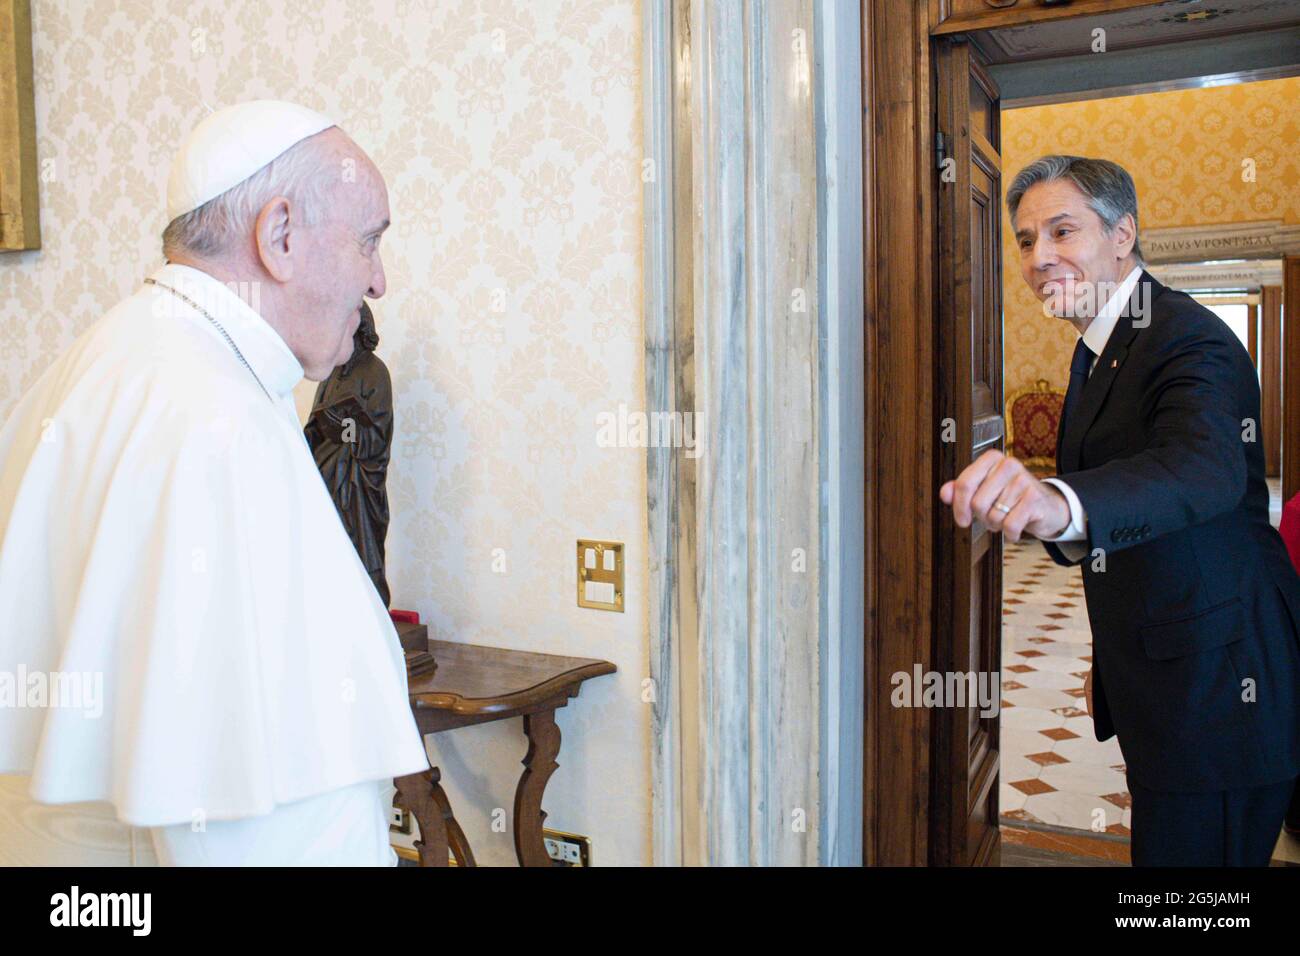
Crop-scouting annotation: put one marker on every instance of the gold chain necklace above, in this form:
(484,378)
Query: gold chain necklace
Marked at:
(220,328)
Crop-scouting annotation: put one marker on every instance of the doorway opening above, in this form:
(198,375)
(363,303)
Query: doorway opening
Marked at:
(939,77)
(1034,778)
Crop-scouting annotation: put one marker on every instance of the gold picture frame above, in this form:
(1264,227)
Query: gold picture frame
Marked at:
(20,221)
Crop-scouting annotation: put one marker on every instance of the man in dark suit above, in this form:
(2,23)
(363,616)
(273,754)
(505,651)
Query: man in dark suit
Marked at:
(1160,494)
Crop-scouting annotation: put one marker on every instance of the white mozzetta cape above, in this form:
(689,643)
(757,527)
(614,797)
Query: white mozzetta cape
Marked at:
(163,525)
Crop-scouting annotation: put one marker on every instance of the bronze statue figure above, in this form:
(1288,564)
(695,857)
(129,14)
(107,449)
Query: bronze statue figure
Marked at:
(350,432)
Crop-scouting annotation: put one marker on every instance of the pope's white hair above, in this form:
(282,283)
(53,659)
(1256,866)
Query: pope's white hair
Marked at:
(303,172)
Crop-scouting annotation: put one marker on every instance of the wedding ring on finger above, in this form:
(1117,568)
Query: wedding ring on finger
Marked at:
(1005,509)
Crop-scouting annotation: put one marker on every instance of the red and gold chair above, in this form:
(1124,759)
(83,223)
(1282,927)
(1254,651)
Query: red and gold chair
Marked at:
(1033,416)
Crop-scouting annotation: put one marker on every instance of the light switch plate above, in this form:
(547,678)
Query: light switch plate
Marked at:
(600,574)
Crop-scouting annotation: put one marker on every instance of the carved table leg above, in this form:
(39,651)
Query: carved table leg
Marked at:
(423,796)
(539,763)
(455,835)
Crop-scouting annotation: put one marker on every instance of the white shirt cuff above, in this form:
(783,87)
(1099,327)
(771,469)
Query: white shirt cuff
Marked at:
(1077,529)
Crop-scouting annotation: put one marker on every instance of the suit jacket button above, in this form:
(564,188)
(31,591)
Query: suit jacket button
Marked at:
(1114,535)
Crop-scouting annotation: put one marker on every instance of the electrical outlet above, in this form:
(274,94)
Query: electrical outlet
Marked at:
(567,849)
(399,820)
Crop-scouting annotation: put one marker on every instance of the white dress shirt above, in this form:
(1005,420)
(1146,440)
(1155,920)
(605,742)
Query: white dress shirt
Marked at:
(1095,336)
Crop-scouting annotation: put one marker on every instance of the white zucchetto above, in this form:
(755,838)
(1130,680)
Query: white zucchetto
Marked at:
(231,145)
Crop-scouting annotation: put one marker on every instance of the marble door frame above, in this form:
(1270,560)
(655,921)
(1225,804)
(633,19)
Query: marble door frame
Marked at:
(753,325)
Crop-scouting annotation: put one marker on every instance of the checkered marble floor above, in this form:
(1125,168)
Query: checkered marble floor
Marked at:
(1054,770)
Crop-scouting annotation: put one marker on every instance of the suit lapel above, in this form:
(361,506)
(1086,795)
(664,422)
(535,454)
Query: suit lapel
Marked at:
(1060,446)
(1135,317)
(1060,433)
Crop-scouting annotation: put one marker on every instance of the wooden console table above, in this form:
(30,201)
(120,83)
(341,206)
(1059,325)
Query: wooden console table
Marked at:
(474,685)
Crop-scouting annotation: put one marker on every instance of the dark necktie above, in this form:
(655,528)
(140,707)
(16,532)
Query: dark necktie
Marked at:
(1079,366)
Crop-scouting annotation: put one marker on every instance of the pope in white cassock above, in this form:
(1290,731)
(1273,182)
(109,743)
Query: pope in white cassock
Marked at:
(165,533)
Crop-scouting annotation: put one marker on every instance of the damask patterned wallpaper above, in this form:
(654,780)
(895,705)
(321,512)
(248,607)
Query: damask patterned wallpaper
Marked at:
(509,135)
(1184,149)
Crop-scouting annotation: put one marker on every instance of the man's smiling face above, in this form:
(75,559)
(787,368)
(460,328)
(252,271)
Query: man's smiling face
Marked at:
(1066,251)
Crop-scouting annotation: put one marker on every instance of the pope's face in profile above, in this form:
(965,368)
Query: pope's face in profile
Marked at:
(1068,257)
(342,266)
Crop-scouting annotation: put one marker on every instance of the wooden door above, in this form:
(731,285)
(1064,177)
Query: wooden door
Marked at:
(968,582)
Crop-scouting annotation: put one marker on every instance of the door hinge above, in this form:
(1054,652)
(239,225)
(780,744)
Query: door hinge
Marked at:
(940,149)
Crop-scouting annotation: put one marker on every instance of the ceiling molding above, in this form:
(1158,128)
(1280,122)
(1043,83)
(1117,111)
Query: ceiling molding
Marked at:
(1137,28)
(1272,54)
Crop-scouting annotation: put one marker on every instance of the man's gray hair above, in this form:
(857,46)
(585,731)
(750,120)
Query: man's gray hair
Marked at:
(1107,185)
(303,173)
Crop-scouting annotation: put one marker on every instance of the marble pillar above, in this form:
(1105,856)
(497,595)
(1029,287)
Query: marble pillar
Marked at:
(735,336)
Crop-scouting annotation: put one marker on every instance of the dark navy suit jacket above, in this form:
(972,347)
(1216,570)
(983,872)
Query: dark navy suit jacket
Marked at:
(1192,600)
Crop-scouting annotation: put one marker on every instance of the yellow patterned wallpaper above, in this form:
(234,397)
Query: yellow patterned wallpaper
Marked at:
(509,134)
(1184,149)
